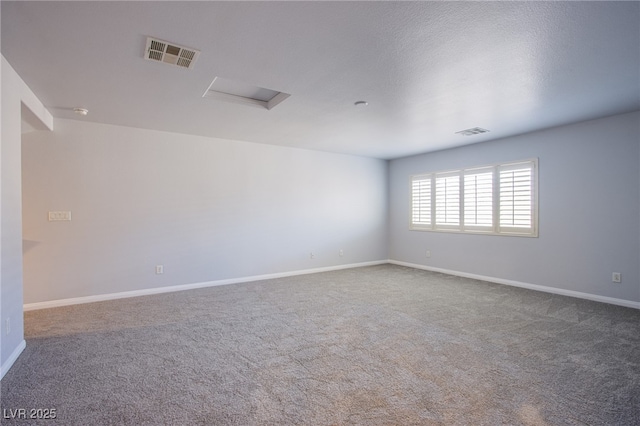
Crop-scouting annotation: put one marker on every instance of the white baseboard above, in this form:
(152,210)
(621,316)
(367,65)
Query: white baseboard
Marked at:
(571,293)
(12,358)
(159,290)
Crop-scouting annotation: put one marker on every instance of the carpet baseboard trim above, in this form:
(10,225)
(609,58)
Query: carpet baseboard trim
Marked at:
(169,289)
(571,293)
(12,358)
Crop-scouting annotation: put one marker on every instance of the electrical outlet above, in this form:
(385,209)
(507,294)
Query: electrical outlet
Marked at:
(159,269)
(428,254)
(312,256)
(616,277)
(341,253)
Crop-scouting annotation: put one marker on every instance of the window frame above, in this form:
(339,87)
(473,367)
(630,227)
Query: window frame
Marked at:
(496,228)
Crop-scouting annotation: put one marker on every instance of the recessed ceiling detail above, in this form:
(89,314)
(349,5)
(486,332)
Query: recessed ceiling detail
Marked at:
(472,131)
(238,92)
(170,53)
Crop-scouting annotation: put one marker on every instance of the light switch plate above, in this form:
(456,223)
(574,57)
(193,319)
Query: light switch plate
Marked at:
(57,216)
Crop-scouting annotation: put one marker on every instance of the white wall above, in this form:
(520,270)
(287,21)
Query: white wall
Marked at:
(11,223)
(17,100)
(206,209)
(214,209)
(1,343)
(589,211)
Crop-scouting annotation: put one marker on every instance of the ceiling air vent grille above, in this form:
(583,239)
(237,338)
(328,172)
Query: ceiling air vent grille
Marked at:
(472,131)
(170,53)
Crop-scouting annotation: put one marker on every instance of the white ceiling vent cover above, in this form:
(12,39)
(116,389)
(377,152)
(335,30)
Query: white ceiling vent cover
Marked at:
(227,90)
(170,53)
(472,131)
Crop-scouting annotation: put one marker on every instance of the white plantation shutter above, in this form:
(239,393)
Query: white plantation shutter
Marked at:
(448,201)
(421,202)
(499,199)
(478,199)
(517,209)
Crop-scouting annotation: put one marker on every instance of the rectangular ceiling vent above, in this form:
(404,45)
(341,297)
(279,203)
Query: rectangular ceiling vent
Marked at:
(472,131)
(170,53)
(227,90)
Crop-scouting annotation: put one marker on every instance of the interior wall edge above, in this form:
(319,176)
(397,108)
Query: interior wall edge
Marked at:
(6,366)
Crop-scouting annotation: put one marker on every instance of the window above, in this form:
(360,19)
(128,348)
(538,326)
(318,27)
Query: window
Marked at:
(499,199)
(421,201)
(447,201)
(478,200)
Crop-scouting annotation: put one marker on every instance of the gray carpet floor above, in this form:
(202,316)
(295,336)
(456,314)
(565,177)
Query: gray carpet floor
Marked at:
(377,345)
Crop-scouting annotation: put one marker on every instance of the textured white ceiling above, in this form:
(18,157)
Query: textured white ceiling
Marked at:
(427,69)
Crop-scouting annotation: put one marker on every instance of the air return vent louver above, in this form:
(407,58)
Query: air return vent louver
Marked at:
(170,53)
(472,131)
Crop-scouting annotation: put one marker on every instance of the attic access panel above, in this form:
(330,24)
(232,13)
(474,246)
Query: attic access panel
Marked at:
(238,92)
